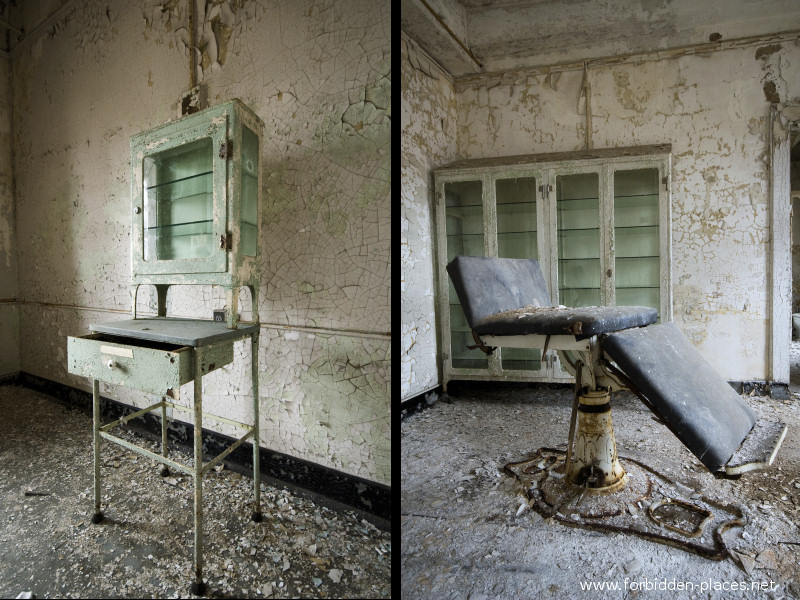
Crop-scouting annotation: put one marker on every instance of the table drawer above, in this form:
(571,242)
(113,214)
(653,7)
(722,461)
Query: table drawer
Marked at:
(152,367)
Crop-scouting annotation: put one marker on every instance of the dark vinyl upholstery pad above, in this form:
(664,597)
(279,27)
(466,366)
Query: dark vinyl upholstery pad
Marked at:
(700,407)
(581,321)
(486,286)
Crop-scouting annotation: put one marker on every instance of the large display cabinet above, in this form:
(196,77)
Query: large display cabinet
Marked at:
(598,222)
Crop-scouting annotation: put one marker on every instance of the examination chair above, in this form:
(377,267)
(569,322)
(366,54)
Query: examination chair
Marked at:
(609,348)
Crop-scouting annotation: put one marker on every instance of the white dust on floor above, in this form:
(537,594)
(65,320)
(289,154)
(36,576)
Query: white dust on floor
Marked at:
(462,537)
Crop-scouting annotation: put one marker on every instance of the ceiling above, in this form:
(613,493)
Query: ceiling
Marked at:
(473,36)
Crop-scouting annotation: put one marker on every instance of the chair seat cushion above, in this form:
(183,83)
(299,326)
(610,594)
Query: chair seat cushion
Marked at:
(581,321)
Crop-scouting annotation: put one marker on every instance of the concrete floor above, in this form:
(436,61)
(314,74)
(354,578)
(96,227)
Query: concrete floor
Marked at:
(466,534)
(144,547)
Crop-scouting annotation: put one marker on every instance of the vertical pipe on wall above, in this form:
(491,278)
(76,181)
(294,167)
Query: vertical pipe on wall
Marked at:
(191,45)
(587,92)
(780,245)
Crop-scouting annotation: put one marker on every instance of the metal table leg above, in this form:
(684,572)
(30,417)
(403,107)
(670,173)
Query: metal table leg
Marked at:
(256,516)
(97,517)
(164,447)
(198,587)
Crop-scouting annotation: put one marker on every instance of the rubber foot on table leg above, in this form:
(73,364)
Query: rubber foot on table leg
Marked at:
(165,472)
(97,518)
(198,589)
(257,517)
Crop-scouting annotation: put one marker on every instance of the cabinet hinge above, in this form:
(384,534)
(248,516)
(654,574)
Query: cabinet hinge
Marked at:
(226,149)
(665,181)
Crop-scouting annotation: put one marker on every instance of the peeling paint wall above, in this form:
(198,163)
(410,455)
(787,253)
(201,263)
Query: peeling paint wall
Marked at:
(9,292)
(428,141)
(318,73)
(713,108)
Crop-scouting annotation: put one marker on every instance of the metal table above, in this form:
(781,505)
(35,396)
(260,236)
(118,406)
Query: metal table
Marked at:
(157,356)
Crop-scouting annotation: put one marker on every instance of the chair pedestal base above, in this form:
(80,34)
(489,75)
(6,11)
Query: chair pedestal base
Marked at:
(595,464)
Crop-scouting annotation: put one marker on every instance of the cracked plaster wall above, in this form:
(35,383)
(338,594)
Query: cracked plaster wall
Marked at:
(428,141)
(318,74)
(9,309)
(713,108)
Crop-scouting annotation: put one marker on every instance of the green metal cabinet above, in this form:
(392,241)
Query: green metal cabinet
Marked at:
(196,195)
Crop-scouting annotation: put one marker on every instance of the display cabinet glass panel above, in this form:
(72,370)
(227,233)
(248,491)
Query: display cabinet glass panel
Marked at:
(465,236)
(178,202)
(517,237)
(249,215)
(637,239)
(578,234)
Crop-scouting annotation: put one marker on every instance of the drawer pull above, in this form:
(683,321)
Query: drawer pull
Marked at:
(111,364)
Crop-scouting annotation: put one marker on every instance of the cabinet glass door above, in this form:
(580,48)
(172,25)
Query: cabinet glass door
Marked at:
(464,229)
(578,234)
(636,233)
(179,192)
(178,202)
(517,238)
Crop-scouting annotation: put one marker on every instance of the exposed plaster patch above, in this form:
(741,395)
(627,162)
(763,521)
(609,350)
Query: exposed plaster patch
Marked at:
(218,25)
(756,126)
(765,52)
(773,84)
(771,92)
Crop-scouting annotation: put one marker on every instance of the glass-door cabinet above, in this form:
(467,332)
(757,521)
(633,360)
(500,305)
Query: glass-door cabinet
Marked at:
(598,222)
(195,189)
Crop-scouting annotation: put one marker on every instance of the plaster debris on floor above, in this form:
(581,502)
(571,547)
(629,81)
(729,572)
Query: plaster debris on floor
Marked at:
(468,532)
(49,547)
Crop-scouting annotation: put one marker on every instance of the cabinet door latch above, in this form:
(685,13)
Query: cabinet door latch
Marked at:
(545,190)
(226,149)
(225,242)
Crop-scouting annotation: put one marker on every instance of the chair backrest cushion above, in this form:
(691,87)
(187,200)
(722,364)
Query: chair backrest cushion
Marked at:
(486,286)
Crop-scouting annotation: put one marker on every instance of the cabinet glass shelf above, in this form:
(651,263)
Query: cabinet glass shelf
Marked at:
(637,251)
(578,236)
(178,202)
(516,238)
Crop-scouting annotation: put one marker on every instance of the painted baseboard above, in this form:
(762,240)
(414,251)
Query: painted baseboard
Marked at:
(326,486)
